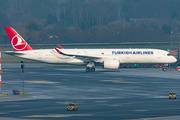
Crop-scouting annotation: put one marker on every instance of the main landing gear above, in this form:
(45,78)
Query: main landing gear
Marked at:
(90,69)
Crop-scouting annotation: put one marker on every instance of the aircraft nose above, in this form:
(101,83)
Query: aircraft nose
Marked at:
(174,59)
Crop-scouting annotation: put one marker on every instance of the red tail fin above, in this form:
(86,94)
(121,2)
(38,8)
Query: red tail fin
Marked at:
(18,43)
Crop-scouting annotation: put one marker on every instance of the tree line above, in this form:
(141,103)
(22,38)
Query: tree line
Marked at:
(86,21)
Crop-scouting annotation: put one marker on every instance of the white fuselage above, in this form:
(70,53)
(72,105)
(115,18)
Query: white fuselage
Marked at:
(123,55)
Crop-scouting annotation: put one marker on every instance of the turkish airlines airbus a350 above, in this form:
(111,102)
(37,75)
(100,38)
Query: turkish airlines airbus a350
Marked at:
(108,58)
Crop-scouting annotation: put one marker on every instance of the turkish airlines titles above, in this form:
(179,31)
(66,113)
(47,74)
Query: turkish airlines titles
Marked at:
(133,52)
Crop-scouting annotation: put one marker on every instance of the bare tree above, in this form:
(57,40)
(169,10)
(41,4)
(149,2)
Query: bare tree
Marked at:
(57,12)
(120,12)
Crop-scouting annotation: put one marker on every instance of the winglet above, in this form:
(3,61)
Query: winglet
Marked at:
(60,47)
(58,51)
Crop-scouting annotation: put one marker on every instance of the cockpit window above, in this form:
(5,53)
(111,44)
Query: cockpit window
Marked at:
(169,54)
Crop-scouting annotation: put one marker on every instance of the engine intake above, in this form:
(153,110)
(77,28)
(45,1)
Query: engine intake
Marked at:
(111,64)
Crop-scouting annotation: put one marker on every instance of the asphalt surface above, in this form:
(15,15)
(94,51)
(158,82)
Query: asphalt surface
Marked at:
(128,93)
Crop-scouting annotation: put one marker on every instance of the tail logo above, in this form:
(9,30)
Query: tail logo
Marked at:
(18,43)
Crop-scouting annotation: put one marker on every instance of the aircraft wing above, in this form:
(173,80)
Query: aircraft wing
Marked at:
(81,57)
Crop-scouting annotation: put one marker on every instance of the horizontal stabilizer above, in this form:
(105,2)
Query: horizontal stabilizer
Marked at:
(13,53)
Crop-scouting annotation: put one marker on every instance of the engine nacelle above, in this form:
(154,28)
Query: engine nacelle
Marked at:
(111,64)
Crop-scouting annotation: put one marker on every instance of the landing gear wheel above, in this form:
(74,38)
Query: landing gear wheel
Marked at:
(88,69)
(92,69)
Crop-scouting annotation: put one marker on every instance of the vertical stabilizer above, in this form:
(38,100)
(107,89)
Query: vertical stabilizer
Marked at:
(18,43)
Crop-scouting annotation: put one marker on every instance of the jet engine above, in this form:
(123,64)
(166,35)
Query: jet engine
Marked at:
(111,64)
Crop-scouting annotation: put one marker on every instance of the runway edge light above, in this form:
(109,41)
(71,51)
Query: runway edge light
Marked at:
(1,94)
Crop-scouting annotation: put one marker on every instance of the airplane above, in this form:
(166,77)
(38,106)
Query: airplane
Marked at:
(108,58)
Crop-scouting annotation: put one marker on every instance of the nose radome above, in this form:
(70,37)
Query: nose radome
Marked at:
(174,59)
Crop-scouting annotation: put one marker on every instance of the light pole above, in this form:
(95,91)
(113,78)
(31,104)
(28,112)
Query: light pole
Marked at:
(179,46)
(22,67)
(171,40)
